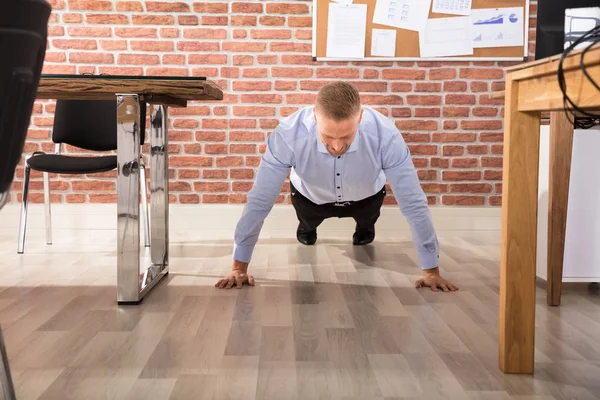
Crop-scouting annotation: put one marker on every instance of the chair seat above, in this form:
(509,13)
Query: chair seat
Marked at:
(60,164)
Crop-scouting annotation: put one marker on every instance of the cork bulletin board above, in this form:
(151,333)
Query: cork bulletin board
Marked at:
(407,42)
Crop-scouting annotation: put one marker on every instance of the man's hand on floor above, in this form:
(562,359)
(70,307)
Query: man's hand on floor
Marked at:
(432,278)
(237,277)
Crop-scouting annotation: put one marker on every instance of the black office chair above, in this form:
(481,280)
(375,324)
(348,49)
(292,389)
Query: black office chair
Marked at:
(23,34)
(89,125)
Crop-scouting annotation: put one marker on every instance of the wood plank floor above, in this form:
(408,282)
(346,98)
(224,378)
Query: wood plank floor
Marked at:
(330,321)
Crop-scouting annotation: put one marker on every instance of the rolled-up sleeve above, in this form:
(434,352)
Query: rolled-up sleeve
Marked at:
(402,177)
(272,171)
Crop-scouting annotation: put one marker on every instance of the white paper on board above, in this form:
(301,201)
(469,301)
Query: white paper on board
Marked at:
(404,14)
(347,30)
(383,42)
(446,37)
(456,7)
(344,2)
(497,27)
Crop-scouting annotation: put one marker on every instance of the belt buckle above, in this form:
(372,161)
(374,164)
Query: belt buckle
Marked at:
(345,203)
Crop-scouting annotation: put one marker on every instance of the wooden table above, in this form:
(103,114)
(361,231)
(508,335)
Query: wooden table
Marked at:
(132,93)
(530,89)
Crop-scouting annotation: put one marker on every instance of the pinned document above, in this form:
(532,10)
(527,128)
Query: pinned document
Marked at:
(347,28)
(446,37)
(404,14)
(457,7)
(383,42)
(498,27)
(344,2)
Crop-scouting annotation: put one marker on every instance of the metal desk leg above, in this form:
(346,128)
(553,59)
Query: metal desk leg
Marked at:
(7,383)
(159,188)
(133,283)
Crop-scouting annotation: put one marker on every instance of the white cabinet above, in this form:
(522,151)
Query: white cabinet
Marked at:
(582,242)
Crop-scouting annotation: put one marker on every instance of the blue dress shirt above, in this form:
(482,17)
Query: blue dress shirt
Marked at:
(377,153)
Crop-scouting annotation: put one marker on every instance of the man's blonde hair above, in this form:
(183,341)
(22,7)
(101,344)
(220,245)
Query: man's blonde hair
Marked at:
(338,100)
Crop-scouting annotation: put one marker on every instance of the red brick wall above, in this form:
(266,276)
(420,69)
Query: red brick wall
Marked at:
(259,52)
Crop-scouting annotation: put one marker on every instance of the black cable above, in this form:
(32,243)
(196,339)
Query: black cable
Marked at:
(570,108)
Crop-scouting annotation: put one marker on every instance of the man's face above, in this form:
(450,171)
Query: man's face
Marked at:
(337,135)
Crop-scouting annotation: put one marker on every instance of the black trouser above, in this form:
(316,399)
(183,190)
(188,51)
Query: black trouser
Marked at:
(365,212)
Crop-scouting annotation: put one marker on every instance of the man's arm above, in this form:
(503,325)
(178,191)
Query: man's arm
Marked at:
(272,171)
(404,181)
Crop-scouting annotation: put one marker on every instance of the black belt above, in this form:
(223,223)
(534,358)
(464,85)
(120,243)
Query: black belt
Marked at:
(343,204)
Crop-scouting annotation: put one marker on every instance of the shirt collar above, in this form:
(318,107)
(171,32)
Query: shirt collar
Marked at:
(311,125)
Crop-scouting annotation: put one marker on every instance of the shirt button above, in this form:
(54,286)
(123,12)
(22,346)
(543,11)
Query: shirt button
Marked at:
(338,187)
(338,174)
(339,156)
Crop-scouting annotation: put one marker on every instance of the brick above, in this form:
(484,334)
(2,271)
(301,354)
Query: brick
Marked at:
(470,188)
(402,87)
(90,5)
(477,149)
(298,98)
(464,163)
(253,111)
(210,8)
(442,74)
(243,20)
(214,173)
(492,175)
(481,73)
(423,149)
(453,137)
(498,86)
(437,162)
(215,198)
(404,74)
(449,200)
(285,85)
(204,59)
(417,125)
(271,21)
(370,99)
(450,125)
(427,112)
(129,6)
(455,86)
(461,175)
(91,58)
(75,44)
(287,8)
(103,198)
(491,137)
(428,87)
(495,200)
(136,32)
(112,45)
(214,123)
(434,187)
(121,71)
(300,22)
(240,34)
(401,112)
(242,149)
(373,74)
(486,112)
(230,161)
(453,150)
(411,137)
(73,18)
(187,20)
(267,59)
(479,87)
(206,33)
(211,186)
(75,198)
(251,86)
(246,136)
(290,47)
(191,148)
(271,34)
(190,161)
(197,46)
(187,199)
(420,162)
(112,19)
(89,31)
(215,20)
(459,99)
(428,100)
(303,34)
(498,149)
(337,73)
(455,112)
(291,72)
(152,45)
(247,8)
(58,69)
(57,4)
(244,47)
(255,73)
(138,59)
(167,7)
(179,187)
(56,31)
(242,123)
(427,175)
(152,20)
(498,188)
(296,59)
(493,162)
(176,59)
(485,100)
(242,186)
(55,57)
(243,60)
(262,98)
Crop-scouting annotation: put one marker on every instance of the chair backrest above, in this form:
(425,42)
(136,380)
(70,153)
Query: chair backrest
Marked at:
(23,35)
(89,124)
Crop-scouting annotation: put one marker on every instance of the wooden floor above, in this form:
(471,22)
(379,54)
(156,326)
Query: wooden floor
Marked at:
(330,321)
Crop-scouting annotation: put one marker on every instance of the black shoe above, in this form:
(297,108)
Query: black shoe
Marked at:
(307,238)
(363,237)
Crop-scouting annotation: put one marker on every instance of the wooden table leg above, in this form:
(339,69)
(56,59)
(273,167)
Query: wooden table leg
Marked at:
(519,231)
(561,147)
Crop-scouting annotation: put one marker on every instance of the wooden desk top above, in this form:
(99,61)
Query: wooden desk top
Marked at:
(174,91)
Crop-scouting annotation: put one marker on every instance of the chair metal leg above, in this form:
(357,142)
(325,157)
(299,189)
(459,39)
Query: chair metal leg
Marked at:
(4,198)
(143,187)
(47,208)
(24,204)
(7,383)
